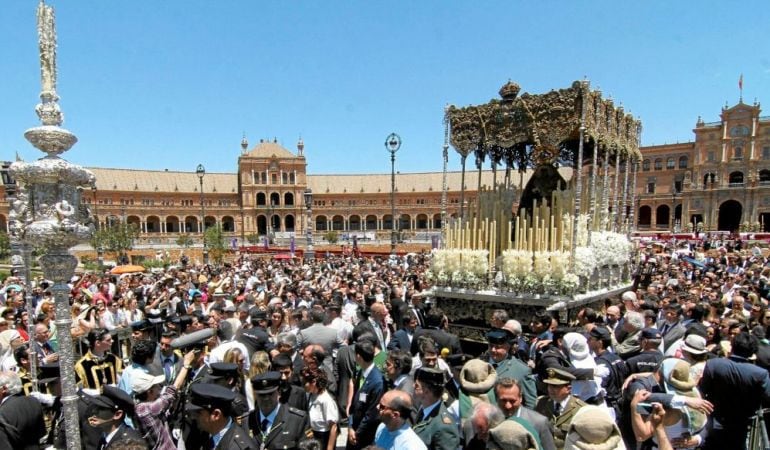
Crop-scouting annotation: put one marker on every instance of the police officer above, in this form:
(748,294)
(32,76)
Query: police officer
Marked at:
(500,342)
(211,407)
(559,406)
(107,412)
(434,424)
(273,424)
(226,375)
(650,357)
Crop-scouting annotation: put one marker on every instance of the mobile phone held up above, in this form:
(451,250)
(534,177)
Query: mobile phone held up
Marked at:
(644,409)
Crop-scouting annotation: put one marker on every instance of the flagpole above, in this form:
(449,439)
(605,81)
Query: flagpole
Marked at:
(740,88)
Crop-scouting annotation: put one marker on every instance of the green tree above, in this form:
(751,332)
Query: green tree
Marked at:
(5,245)
(331,237)
(215,243)
(118,238)
(252,238)
(184,240)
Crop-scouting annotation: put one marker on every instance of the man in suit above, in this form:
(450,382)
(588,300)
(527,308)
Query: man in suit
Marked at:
(402,339)
(170,360)
(345,368)
(22,416)
(737,388)
(254,335)
(559,407)
(319,334)
(672,328)
(368,387)
(274,424)
(108,413)
(210,405)
(509,399)
(434,424)
(375,325)
(434,329)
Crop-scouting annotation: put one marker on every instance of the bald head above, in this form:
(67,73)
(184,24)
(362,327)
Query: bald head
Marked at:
(395,409)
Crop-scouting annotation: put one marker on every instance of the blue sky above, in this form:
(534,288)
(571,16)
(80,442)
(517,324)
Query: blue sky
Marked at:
(170,84)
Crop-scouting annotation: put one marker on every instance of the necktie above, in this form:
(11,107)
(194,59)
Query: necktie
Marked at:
(168,368)
(264,425)
(556,409)
(360,379)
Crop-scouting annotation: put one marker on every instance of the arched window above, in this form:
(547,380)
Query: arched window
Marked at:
(736,178)
(764,176)
(682,162)
(646,165)
(659,164)
(670,164)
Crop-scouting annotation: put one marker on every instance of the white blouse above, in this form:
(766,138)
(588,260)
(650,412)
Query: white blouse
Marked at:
(323,409)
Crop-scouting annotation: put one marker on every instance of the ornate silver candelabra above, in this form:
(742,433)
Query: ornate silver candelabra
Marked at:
(48,212)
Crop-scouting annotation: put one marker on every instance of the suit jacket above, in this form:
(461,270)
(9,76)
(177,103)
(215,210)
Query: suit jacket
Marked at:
(25,417)
(513,368)
(125,434)
(346,371)
(441,337)
(673,334)
(737,389)
(319,334)
(400,341)
(255,339)
(364,416)
(541,424)
(560,425)
(236,438)
(295,397)
(288,428)
(439,430)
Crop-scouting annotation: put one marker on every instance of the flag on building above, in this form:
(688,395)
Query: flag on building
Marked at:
(740,82)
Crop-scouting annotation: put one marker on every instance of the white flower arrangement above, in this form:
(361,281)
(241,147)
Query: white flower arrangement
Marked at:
(459,266)
(516,264)
(610,248)
(585,262)
(542,266)
(569,284)
(559,265)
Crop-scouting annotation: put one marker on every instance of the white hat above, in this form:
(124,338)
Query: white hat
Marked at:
(577,345)
(694,344)
(141,382)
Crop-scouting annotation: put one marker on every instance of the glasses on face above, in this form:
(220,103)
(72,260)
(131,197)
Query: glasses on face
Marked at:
(382,407)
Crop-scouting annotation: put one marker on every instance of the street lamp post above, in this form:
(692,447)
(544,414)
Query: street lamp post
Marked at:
(99,249)
(309,252)
(201,172)
(270,212)
(392,144)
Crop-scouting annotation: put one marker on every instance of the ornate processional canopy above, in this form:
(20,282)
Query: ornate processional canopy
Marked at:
(537,129)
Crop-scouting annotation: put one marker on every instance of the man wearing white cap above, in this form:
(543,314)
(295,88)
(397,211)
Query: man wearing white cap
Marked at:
(154,403)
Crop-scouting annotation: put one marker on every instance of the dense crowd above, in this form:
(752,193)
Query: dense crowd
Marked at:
(290,354)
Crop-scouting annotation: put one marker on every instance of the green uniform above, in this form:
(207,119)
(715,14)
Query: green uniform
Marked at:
(439,431)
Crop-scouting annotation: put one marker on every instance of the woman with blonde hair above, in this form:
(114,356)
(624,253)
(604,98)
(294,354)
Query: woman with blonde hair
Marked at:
(260,363)
(235,356)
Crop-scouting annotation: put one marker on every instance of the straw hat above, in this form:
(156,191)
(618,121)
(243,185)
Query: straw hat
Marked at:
(592,428)
(676,374)
(510,434)
(477,377)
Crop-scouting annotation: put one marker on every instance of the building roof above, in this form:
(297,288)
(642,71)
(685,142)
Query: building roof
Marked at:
(130,180)
(163,181)
(267,149)
(411,182)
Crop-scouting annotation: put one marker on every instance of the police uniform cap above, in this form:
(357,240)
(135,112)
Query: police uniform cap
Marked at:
(430,375)
(600,333)
(499,336)
(209,396)
(114,399)
(154,316)
(48,373)
(558,377)
(258,314)
(651,333)
(222,370)
(141,325)
(266,383)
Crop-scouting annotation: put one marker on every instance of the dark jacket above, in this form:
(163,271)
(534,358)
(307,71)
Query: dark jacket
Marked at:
(364,416)
(236,438)
(125,434)
(737,389)
(21,423)
(439,430)
(288,428)
(400,341)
